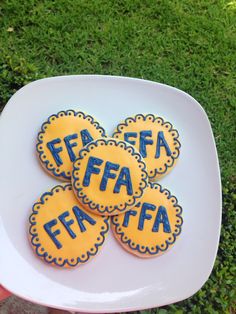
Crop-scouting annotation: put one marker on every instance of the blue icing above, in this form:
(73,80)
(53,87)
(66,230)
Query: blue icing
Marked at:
(70,145)
(81,216)
(124,179)
(144,142)
(161,142)
(55,151)
(107,174)
(145,138)
(162,218)
(83,198)
(63,174)
(67,224)
(127,216)
(93,161)
(127,135)
(86,137)
(52,234)
(143,215)
(58,261)
(154,119)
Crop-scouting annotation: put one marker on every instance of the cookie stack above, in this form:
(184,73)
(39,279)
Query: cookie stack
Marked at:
(110,183)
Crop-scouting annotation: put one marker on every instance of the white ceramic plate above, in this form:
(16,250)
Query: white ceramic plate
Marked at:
(114,281)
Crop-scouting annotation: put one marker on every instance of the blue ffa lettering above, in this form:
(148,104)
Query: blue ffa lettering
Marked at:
(80,216)
(111,171)
(160,214)
(145,138)
(55,146)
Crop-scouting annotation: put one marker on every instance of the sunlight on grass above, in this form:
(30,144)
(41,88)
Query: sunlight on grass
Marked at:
(231,5)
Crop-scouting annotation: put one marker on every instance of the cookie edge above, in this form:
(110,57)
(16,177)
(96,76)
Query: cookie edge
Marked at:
(156,174)
(62,175)
(33,234)
(106,211)
(126,244)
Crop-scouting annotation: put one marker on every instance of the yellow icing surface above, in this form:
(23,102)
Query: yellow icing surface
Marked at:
(147,242)
(60,126)
(157,166)
(107,201)
(88,236)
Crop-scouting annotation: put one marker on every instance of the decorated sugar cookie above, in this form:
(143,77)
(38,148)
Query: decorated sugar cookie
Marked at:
(61,138)
(62,233)
(109,177)
(152,226)
(156,140)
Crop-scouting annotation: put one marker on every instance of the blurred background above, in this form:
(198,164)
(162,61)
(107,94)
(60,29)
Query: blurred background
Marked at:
(189,44)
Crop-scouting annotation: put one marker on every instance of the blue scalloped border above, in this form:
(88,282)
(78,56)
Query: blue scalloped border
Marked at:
(155,118)
(158,248)
(34,234)
(66,112)
(98,206)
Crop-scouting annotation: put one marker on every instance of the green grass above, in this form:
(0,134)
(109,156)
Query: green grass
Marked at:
(189,44)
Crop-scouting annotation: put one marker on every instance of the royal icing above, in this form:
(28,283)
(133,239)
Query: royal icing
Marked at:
(109,177)
(152,226)
(156,140)
(62,232)
(61,138)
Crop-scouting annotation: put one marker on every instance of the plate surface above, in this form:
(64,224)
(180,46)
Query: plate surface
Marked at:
(114,281)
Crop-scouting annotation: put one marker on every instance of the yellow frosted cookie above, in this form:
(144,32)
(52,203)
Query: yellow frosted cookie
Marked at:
(61,138)
(62,232)
(109,177)
(152,226)
(156,140)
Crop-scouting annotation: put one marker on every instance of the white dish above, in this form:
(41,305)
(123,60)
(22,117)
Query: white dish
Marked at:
(114,281)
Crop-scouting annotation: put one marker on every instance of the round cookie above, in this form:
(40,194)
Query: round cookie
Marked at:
(156,140)
(62,232)
(152,226)
(61,138)
(109,177)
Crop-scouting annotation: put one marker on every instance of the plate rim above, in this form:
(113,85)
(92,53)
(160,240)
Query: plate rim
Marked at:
(218,183)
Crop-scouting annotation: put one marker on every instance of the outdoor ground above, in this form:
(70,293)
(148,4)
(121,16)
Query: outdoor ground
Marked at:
(189,44)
